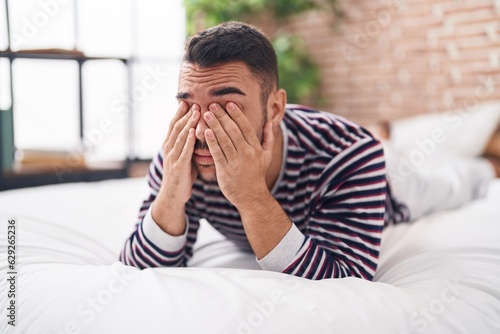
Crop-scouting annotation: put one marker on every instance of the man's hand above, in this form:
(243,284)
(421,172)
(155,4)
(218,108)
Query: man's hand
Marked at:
(178,172)
(241,164)
(241,161)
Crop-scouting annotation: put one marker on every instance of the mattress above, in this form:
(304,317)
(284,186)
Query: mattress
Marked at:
(440,274)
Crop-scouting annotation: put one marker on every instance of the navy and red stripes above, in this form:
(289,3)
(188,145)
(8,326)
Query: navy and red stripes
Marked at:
(332,187)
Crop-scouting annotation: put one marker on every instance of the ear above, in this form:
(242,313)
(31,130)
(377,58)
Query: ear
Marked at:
(276,106)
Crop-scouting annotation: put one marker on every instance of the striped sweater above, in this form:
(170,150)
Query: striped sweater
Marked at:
(332,186)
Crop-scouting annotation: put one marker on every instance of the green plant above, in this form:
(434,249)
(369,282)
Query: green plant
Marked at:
(217,11)
(299,75)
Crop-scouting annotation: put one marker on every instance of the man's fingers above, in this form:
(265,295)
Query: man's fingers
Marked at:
(268,140)
(228,125)
(189,120)
(224,133)
(243,124)
(215,149)
(188,148)
(181,111)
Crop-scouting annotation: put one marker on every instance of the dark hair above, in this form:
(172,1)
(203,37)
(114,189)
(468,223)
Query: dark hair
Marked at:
(232,42)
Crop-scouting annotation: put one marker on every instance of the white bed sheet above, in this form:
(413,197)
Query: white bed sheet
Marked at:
(440,274)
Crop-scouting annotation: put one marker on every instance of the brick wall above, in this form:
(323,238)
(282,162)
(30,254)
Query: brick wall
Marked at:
(389,59)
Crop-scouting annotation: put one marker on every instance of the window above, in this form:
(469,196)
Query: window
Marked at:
(4,42)
(104,110)
(38,24)
(129,66)
(105,27)
(5,98)
(46,104)
(153,97)
(158,66)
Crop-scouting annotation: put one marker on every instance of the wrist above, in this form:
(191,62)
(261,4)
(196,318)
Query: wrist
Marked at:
(255,200)
(169,216)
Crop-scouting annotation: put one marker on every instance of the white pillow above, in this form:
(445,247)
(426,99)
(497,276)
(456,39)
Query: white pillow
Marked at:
(463,132)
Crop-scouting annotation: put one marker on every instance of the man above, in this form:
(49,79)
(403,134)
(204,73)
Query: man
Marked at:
(304,190)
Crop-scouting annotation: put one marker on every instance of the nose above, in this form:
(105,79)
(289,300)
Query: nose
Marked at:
(200,129)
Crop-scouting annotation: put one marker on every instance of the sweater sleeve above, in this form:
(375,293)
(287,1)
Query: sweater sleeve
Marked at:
(344,228)
(148,245)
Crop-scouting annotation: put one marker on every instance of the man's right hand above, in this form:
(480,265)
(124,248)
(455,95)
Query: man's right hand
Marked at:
(178,172)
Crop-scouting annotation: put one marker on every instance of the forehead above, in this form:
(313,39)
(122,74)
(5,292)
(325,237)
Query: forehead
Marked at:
(237,74)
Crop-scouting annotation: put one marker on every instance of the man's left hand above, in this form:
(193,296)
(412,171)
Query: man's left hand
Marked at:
(241,161)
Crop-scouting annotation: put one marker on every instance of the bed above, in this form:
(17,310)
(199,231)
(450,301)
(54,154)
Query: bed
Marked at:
(439,274)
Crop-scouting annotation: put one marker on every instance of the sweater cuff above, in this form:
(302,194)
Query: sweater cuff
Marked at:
(284,252)
(159,238)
